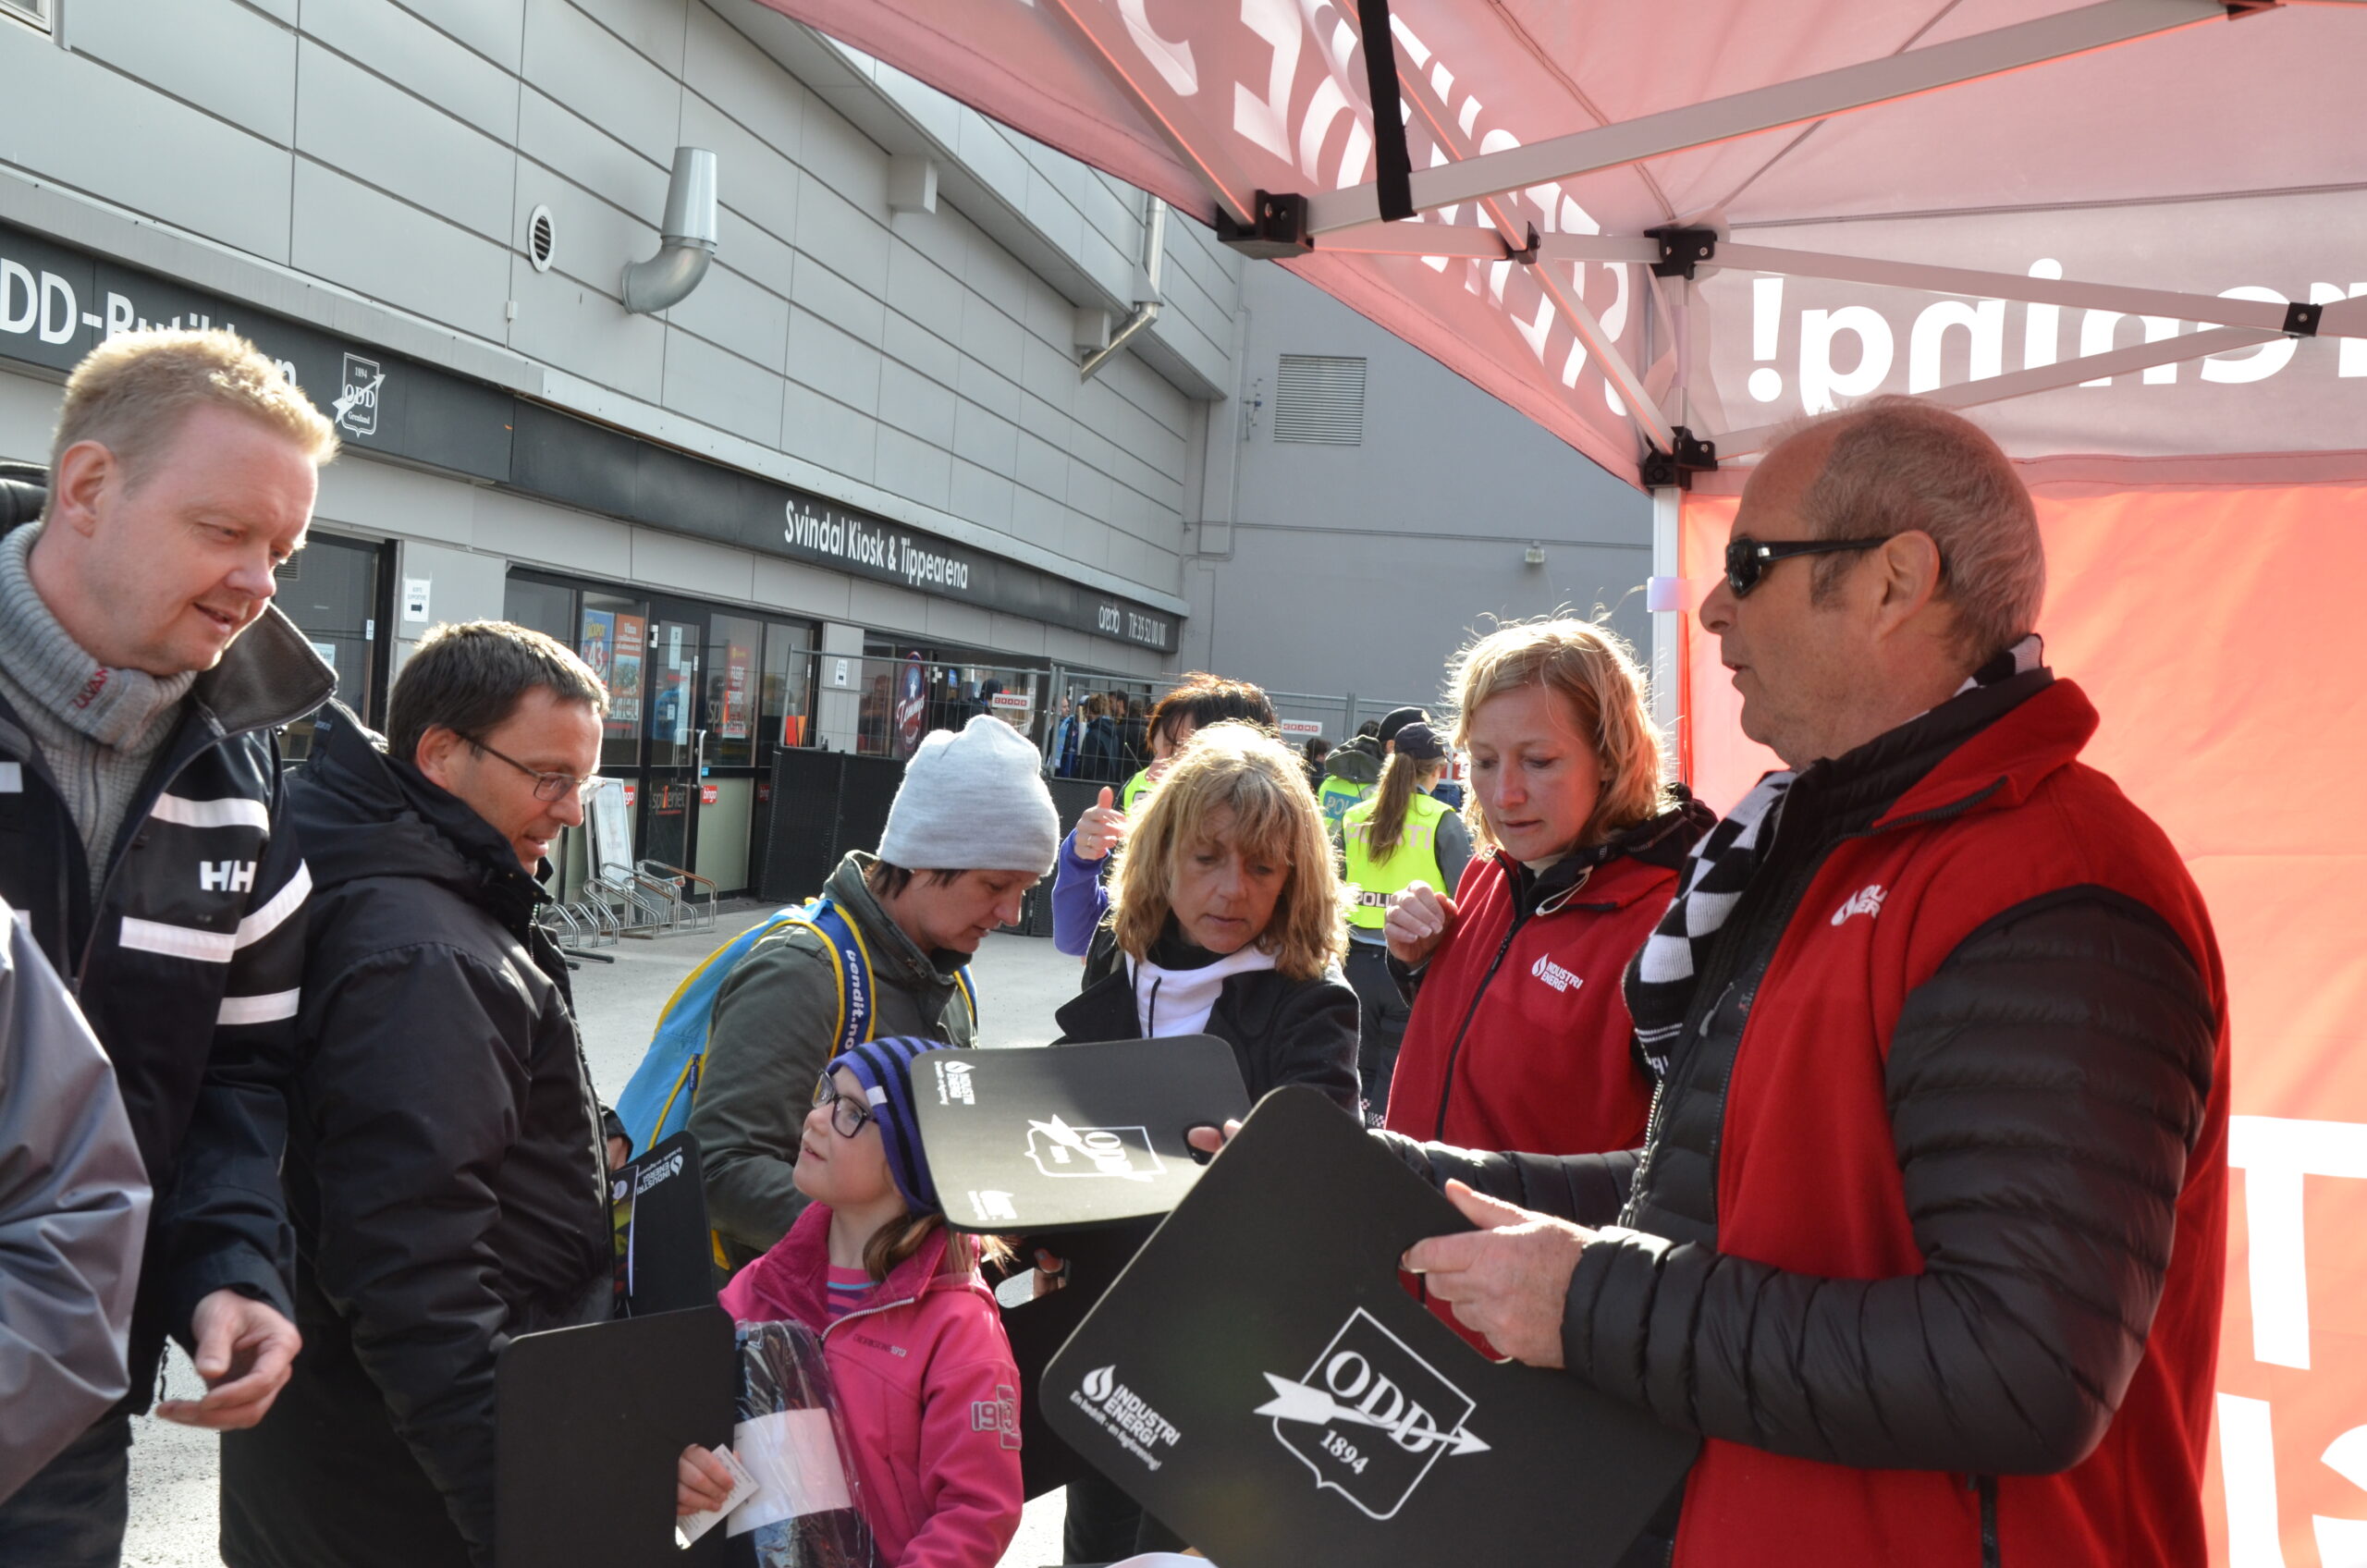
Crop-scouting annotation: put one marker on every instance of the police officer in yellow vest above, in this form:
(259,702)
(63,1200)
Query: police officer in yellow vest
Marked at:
(1350,774)
(1397,837)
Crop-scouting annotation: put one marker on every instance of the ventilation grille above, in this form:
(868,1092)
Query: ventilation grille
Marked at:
(34,11)
(292,569)
(1320,399)
(542,237)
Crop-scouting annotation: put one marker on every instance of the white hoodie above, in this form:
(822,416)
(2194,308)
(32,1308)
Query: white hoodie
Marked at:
(1176,1001)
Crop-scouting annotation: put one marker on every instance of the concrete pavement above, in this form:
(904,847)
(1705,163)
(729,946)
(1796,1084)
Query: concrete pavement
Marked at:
(1021,980)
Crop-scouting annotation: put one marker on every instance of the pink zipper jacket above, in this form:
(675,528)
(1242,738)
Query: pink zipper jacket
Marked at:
(926,1386)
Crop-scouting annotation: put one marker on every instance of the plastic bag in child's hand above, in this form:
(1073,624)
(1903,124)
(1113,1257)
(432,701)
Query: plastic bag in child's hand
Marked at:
(809,1513)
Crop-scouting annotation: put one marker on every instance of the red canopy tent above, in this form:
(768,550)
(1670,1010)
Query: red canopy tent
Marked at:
(2129,231)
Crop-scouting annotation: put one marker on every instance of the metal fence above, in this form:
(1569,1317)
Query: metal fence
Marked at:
(1302,716)
(901,699)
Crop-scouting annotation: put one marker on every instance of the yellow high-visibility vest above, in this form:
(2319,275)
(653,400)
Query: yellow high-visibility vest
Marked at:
(1415,858)
(1336,796)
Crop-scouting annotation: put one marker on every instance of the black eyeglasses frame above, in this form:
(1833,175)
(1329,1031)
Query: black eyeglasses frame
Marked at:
(826,1093)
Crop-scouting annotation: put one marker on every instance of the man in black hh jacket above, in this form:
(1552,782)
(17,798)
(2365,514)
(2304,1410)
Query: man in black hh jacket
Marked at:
(445,1166)
(144,675)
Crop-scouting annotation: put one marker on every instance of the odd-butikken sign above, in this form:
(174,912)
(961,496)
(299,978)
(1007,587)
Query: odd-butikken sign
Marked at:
(56,304)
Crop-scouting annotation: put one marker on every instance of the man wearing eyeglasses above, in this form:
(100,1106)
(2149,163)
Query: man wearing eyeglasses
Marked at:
(1927,1236)
(446,1165)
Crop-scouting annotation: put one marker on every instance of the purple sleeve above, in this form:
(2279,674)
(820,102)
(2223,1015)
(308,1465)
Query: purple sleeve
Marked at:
(1079,899)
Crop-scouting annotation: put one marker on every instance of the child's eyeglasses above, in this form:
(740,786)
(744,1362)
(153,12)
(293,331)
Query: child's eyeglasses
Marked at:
(847,1114)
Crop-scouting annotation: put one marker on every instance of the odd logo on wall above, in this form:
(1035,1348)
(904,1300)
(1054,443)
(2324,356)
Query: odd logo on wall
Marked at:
(356,409)
(1370,1417)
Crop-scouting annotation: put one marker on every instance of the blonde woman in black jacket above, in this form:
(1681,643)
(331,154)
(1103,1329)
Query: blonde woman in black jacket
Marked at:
(1226,919)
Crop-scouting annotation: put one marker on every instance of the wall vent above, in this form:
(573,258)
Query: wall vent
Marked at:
(542,235)
(34,11)
(1320,399)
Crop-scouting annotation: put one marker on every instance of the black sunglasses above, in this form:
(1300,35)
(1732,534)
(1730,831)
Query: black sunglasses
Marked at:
(1747,559)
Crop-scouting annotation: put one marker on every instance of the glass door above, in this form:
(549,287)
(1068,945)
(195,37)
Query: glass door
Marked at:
(784,717)
(674,737)
(332,590)
(732,692)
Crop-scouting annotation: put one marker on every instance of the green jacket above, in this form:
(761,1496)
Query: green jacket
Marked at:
(776,1018)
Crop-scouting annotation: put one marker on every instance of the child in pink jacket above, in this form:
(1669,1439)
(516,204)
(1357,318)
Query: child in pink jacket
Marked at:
(927,1391)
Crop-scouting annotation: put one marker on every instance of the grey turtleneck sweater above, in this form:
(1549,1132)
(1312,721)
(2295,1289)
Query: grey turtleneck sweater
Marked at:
(98,728)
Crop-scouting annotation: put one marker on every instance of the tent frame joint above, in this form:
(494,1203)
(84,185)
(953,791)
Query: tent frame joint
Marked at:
(1682,250)
(1276,230)
(2239,9)
(2302,320)
(1686,456)
(1526,254)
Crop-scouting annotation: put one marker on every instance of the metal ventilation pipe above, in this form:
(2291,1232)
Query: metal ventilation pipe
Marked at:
(1147,290)
(686,241)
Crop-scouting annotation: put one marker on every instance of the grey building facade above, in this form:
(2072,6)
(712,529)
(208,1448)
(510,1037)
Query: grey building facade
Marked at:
(1379,510)
(855,483)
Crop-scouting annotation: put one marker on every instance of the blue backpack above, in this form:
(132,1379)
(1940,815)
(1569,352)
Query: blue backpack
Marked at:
(656,1103)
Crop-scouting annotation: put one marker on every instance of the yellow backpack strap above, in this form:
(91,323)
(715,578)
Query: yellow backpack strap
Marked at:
(969,995)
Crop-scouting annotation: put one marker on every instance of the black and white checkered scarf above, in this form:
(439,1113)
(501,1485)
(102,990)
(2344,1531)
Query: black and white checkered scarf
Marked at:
(1660,983)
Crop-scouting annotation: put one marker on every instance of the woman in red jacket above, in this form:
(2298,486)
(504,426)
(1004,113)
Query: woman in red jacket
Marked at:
(1519,1038)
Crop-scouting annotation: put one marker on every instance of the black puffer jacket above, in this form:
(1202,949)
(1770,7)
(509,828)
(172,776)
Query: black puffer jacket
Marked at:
(2047,1093)
(444,1171)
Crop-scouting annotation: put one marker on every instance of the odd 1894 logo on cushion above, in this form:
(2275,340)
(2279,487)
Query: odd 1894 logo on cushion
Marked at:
(1260,1382)
(1370,1417)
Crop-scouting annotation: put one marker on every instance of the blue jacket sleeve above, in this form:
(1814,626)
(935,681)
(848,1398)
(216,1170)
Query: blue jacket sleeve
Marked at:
(1079,900)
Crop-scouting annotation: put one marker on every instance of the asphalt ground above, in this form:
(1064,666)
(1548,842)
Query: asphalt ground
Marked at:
(1021,980)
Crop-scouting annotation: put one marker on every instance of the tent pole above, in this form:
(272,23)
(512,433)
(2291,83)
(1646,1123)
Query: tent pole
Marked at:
(1643,409)
(2061,36)
(1668,626)
(2345,319)
(2012,285)
(2045,378)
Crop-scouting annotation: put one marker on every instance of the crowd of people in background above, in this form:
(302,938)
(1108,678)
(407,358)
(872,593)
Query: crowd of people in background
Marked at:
(1875,1133)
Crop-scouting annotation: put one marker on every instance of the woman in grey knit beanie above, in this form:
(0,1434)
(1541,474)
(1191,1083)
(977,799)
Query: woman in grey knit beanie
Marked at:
(973,800)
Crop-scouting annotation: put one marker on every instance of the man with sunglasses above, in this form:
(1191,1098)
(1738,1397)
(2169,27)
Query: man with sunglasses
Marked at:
(446,1163)
(1927,1235)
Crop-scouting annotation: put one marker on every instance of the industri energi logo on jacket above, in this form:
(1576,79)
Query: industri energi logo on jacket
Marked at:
(1553,975)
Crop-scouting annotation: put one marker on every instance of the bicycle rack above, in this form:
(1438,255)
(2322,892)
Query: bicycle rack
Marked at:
(691,911)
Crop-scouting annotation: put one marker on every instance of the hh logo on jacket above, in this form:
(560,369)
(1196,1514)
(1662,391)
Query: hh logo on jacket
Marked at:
(1867,901)
(1553,975)
(230,876)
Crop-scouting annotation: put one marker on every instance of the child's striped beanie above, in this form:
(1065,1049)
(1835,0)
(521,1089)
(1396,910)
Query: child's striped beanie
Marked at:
(884,1067)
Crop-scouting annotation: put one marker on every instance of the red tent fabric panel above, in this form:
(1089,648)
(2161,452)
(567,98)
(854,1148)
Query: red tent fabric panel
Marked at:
(2219,629)
(2114,166)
